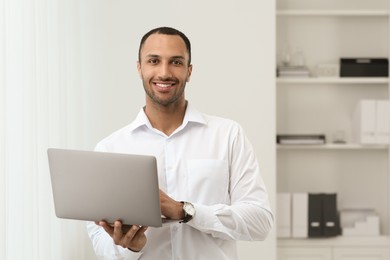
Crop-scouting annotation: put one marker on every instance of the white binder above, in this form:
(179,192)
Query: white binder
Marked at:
(300,212)
(365,119)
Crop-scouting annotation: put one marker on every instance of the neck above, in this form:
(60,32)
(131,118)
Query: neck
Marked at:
(166,118)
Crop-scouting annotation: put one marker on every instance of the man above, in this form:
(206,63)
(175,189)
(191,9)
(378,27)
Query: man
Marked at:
(208,172)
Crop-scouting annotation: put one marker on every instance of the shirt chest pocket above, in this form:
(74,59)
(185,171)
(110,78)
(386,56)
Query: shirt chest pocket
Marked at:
(208,181)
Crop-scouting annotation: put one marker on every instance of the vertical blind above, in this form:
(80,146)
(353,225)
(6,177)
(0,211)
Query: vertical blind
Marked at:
(40,107)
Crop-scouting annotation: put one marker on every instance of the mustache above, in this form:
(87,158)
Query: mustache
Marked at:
(173,79)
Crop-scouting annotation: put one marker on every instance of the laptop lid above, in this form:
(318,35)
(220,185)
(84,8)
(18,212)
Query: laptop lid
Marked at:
(97,186)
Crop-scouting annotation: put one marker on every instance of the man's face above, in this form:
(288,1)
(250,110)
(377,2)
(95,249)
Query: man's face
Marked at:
(164,69)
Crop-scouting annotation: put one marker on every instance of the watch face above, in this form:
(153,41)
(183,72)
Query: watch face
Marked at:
(189,209)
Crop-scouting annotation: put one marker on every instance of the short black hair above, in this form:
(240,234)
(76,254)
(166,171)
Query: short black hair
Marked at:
(166,31)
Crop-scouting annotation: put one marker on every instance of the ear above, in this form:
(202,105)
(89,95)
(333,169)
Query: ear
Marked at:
(139,69)
(189,72)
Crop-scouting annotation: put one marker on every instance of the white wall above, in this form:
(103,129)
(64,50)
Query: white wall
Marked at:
(40,107)
(233,56)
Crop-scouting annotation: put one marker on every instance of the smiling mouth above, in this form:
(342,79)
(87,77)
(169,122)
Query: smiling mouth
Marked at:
(164,85)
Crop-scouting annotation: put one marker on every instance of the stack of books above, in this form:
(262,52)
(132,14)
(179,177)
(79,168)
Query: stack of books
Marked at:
(293,72)
(298,139)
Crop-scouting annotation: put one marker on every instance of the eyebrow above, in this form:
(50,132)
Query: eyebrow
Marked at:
(157,56)
(178,57)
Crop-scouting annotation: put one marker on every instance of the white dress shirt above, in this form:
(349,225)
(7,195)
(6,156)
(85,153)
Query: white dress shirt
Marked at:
(209,162)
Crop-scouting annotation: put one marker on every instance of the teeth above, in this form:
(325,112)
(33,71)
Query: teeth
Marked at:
(163,85)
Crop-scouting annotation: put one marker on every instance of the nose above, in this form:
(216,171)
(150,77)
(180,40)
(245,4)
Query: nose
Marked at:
(164,70)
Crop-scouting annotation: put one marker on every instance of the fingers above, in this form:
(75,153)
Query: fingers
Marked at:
(126,228)
(134,238)
(134,233)
(114,230)
(138,238)
(118,233)
(107,227)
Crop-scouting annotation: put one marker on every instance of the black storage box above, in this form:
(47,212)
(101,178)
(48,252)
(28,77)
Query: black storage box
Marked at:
(364,67)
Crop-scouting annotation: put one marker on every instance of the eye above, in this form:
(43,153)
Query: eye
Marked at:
(177,62)
(153,61)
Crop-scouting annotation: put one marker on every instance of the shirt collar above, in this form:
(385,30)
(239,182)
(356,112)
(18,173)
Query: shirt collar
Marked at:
(191,115)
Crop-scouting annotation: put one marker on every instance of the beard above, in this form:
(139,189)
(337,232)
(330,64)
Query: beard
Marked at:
(164,101)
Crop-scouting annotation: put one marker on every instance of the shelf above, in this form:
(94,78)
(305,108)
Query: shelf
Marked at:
(325,32)
(313,12)
(339,241)
(335,80)
(332,147)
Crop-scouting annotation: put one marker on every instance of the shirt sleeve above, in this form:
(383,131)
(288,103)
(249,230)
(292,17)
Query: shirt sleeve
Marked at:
(104,246)
(248,216)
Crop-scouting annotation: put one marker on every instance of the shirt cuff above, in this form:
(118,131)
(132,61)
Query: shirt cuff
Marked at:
(205,216)
(130,255)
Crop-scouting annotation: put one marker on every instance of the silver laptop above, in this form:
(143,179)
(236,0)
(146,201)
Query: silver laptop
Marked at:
(105,186)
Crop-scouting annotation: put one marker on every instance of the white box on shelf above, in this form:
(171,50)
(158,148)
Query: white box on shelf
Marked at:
(283,215)
(382,121)
(359,222)
(300,213)
(365,121)
(327,70)
(369,227)
(372,122)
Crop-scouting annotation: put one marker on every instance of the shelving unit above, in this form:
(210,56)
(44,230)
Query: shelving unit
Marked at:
(330,80)
(317,13)
(360,174)
(333,147)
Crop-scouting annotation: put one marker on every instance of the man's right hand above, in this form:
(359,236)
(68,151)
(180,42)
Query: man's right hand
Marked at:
(134,239)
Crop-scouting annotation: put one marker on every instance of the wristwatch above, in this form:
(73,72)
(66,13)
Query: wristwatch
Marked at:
(189,211)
